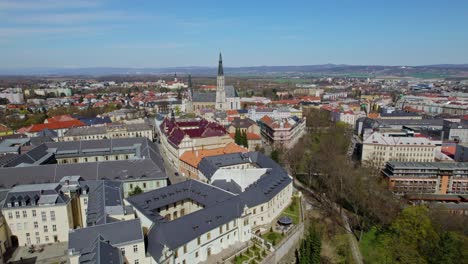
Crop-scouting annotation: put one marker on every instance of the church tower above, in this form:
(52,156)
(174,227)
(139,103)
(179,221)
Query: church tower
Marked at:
(220,91)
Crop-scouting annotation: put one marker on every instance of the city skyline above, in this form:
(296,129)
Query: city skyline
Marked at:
(82,34)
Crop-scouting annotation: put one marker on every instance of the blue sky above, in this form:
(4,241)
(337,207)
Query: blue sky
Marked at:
(94,33)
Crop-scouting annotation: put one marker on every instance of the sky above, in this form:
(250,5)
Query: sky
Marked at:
(156,33)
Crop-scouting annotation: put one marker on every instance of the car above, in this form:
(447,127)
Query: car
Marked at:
(176,173)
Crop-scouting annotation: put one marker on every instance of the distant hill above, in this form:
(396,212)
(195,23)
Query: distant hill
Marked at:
(426,71)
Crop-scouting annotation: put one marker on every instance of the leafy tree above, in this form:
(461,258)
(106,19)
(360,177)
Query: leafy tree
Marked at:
(244,140)
(237,137)
(275,155)
(309,251)
(135,191)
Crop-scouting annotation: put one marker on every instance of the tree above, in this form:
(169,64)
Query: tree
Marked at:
(275,155)
(237,137)
(309,250)
(244,141)
(135,191)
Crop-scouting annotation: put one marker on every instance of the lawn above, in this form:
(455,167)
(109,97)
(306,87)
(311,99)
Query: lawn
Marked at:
(372,248)
(294,210)
(273,237)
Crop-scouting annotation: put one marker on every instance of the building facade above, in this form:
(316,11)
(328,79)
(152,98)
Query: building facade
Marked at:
(283,132)
(379,148)
(427,177)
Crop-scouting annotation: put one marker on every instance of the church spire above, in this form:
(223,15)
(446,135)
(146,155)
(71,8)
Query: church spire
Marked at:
(220,66)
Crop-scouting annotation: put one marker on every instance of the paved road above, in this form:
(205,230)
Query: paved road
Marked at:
(352,239)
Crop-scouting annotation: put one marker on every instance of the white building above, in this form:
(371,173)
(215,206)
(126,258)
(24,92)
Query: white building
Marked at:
(38,214)
(191,220)
(379,148)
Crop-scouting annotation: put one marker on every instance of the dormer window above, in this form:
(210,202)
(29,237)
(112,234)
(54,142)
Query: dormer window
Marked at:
(16,204)
(10,205)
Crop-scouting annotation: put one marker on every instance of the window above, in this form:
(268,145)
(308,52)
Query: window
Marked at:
(36,225)
(19,226)
(198,241)
(185,249)
(221,229)
(144,185)
(47,238)
(44,216)
(135,248)
(17,214)
(85,201)
(54,228)
(10,215)
(123,251)
(208,236)
(196,254)
(131,186)
(46,229)
(137,261)
(52,215)
(25,214)
(34,213)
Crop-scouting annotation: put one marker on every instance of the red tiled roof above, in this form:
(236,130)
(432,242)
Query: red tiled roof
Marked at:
(176,134)
(51,126)
(59,118)
(250,136)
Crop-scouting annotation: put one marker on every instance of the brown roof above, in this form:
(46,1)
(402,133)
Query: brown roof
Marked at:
(193,157)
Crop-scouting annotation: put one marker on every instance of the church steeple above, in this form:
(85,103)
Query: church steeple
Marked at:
(220,66)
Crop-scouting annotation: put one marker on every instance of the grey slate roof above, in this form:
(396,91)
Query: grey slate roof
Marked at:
(209,165)
(202,97)
(101,252)
(117,233)
(150,165)
(99,130)
(122,170)
(204,194)
(102,194)
(35,194)
(230,91)
(230,186)
(226,207)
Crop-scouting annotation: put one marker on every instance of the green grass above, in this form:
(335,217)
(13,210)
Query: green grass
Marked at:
(240,259)
(293,210)
(273,237)
(372,248)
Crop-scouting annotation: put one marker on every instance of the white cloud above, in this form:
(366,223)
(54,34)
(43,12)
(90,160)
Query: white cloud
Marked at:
(72,18)
(45,4)
(28,31)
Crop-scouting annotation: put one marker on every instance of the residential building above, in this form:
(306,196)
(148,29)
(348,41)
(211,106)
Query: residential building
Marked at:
(38,214)
(379,148)
(188,165)
(248,126)
(179,136)
(455,131)
(115,242)
(109,131)
(427,177)
(191,220)
(14,95)
(133,161)
(282,132)
(58,124)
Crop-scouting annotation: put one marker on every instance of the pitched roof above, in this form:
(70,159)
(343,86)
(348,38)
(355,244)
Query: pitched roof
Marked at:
(238,122)
(193,157)
(128,232)
(51,126)
(220,206)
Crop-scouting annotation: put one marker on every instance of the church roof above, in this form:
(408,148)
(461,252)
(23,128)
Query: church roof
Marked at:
(230,91)
(204,97)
